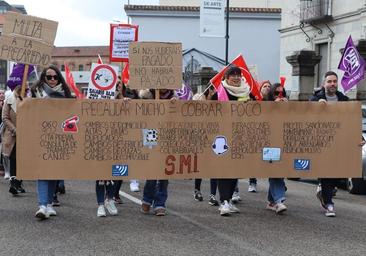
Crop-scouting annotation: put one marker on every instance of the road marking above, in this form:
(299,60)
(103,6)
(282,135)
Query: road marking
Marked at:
(238,242)
(129,197)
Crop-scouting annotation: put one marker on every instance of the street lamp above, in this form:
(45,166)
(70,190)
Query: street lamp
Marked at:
(227,33)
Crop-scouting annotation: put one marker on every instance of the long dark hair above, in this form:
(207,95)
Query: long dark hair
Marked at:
(42,80)
(272,92)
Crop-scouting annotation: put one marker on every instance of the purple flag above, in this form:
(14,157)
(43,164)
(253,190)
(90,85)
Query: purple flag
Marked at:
(353,66)
(185,93)
(16,76)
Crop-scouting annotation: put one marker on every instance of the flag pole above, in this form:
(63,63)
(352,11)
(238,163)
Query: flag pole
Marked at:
(25,78)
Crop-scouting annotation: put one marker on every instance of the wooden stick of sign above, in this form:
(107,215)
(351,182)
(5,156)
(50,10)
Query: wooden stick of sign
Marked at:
(25,78)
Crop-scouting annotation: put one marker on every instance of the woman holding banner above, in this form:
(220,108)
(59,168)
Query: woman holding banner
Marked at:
(155,192)
(233,88)
(51,84)
(277,187)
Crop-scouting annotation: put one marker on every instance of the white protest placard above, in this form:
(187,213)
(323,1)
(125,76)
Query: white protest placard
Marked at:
(120,37)
(212,18)
(102,83)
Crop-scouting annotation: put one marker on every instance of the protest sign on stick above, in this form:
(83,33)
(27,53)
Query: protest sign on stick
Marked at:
(155,65)
(120,37)
(28,40)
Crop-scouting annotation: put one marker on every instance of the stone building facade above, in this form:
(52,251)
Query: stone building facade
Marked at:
(313,35)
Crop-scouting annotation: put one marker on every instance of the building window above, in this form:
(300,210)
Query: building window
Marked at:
(322,50)
(81,67)
(62,67)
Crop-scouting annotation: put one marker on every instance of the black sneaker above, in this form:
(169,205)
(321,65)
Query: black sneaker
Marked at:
(20,187)
(213,201)
(14,185)
(55,201)
(198,196)
(61,189)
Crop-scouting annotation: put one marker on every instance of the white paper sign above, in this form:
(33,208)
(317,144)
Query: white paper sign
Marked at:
(212,18)
(102,83)
(121,36)
(271,154)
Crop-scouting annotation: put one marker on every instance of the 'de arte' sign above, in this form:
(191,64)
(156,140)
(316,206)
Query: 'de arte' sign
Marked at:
(147,139)
(27,39)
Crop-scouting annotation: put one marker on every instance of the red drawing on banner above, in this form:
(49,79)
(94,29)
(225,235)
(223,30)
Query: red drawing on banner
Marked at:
(69,125)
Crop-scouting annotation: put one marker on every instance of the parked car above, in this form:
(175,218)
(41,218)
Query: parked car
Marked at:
(358,185)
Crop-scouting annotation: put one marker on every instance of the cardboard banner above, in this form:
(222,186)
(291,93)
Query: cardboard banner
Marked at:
(155,65)
(120,37)
(102,83)
(146,139)
(27,39)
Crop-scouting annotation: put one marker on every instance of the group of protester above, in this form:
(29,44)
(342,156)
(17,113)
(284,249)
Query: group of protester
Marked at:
(51,84)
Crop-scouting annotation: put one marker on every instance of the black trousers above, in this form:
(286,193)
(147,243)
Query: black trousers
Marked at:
(213,185)
(327,189)
(13,162)
(226,188)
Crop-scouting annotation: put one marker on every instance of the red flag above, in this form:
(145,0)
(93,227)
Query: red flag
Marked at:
(70,81)
(100,61)
(126,74)
(282,81)
(239,62)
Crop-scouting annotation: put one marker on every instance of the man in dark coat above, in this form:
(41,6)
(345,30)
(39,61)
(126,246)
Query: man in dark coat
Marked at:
(328,92)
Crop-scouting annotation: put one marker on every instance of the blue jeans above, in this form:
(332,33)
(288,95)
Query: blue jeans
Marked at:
(45,189)
(156,193)
(100,190)
(276,190)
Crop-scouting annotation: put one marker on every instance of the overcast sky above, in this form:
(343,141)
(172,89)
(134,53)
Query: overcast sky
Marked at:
(80,22)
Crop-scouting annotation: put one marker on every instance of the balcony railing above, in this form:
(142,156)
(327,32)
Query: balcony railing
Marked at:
(315,11)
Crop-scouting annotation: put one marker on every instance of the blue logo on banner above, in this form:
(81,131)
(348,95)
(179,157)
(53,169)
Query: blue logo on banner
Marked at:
(302,164)
(120,170)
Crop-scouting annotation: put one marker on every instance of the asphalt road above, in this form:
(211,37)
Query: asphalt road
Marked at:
(190,228)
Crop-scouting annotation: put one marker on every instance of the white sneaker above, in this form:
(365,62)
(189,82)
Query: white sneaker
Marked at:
(134,186)
(233,208)
(280,208)
(330,212)
(111,207)
(235,198)
(224,209)
(50,210)
(101,211)
(42,213)
(252,188)
(6,176)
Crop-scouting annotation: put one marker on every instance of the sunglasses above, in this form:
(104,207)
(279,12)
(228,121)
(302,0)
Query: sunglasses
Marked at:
(49,77)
